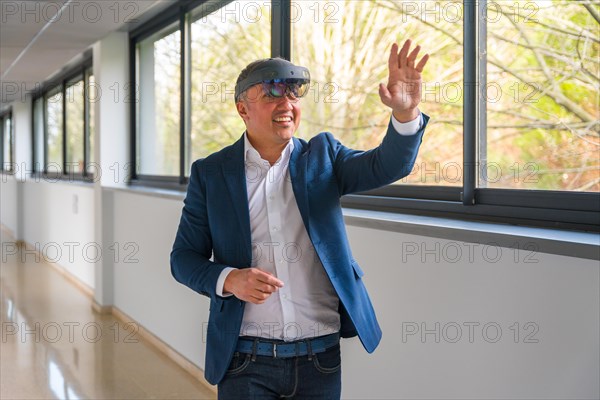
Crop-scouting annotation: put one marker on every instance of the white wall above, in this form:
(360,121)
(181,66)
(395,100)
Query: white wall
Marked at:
(22,124)
(10,189)
(413,280)
(111,112)
(144,228)
(8,203)
(58,220)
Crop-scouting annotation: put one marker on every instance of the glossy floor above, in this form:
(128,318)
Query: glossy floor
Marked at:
(54,347)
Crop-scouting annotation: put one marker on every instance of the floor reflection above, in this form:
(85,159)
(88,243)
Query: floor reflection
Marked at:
(54,346)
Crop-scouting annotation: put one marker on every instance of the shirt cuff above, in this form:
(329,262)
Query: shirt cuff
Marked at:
(408,128)
(221,282)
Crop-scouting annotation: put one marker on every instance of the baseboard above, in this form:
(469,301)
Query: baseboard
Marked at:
(98,309)
(7,232)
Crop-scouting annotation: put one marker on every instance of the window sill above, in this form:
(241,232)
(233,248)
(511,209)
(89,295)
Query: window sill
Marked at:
(150,191)
(545,240)
(552,241)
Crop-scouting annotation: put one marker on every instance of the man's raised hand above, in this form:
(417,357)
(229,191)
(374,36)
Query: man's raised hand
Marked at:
(403,91)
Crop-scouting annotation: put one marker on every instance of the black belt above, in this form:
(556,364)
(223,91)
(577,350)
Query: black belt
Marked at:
(298,348)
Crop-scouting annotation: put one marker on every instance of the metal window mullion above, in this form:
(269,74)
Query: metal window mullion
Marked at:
(86,129)
(182,91)
(187,98)
(134,108)
(64,127)
(11,150)
(281,29)
(45,134)
(481,172)
(470,101)
(2,142)
(33,145)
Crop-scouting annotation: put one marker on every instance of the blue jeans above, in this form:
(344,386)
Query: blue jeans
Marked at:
(262,377)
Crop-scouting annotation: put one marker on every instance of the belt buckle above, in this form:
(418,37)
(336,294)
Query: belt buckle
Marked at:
(274,350)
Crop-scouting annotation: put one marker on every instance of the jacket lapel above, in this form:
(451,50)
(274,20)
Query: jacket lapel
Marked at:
(297,167)
(235,179)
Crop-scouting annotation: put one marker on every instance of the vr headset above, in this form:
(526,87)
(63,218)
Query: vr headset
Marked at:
(279,78)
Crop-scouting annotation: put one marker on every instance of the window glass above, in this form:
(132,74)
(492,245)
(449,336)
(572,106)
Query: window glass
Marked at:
(542,95)
(7,148)
(346,44)
(223,41)
(54,128)
(159,103)
(92,98)
(38,134)
(75,127)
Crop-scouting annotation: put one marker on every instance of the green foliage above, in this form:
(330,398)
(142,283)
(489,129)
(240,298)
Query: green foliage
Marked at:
(542,56)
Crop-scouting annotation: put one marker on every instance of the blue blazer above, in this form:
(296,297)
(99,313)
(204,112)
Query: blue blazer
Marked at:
(215,221)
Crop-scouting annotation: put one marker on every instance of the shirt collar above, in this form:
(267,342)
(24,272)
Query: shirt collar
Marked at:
(254,155)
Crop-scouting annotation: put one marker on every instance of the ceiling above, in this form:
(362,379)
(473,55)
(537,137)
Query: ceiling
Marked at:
(38,39)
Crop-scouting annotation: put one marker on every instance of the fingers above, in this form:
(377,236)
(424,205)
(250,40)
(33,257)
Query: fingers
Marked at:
(265,277)
(393,60)
(402,59)
(260,285)
(422,63)
(384,93)
(410,62)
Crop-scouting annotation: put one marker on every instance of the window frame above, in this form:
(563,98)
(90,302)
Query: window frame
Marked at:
(538,208)
(4,115)
(81,71)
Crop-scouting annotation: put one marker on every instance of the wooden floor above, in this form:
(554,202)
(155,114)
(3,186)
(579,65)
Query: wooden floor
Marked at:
(55,347)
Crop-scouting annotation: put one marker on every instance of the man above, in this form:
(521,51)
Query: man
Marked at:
(283,284)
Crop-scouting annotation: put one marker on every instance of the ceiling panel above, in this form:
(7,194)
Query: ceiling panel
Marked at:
(38,38)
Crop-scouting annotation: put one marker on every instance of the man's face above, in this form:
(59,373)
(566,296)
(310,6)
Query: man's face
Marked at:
(273,120)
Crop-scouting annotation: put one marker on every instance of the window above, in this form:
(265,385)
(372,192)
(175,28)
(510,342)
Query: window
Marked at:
(75,127)
(512,89)
(6,142)
(346,44)
(217,40)
(63,126)
(542,107)
(38,135)
(159,102)
(54,131)
(91,96)
(217,33)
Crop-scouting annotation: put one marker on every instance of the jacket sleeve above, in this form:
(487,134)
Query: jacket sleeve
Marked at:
(393,159)
(190,264)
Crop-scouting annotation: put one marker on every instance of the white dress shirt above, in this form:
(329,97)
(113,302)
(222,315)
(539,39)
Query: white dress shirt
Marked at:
(307,305)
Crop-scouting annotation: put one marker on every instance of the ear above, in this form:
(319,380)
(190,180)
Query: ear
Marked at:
(242,109)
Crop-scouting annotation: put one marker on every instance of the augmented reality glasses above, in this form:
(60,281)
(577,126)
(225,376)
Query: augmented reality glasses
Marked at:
(293,89)
(278,77)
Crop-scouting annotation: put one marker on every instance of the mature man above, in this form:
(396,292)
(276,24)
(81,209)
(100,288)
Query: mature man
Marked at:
(283,285)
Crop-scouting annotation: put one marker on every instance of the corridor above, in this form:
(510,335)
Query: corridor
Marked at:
(55,347)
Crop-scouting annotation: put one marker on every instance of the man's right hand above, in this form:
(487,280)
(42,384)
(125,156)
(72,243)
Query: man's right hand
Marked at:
(251,284)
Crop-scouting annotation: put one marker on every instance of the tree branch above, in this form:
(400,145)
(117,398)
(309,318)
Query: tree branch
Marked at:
(592,12)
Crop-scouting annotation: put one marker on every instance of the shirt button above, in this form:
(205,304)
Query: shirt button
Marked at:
(275,228)
(284,296)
